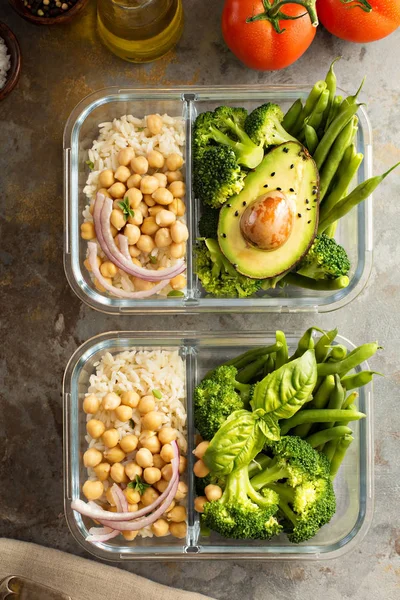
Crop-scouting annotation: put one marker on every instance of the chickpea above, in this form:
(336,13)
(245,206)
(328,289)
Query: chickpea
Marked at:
(123,413)
(141,285)
(160,528)
(95,428)
(178,282)
(125,156)
(132,232)
(174,162)
(87,264)
(179,232)
(146,404)
(149,184)
(134,196)
(149,201)
(114,232)
(200,450)
(154,124)
(134,181)
(149,496)
(122,174)
(110,438)
(155,159)
(129,443)
(117,190)
(145,243)
(130,399)
(177,514)
(149,226)
(129,536)
(104,192)
(144,209)
(152,444)
(132,496)
(177,189)
(174,176)
(99,286)
(133,507)
(163,238)
(118,218)
(114,455)
(167,435)
(137,262)
(181,491)
(200,469)
(139,165)
(134,252)
(151,475)
(92,457)
(177,250)
(137,218)
(91,404)
(179,207)
(163,196)
(102,471)
(111,401)
(117,473)
(133,470)
(167,453)
(154,210)
(106,178)
(213,492)
(108,269)
(199,503)
(88,231)
(158,461)
(178,530)
(162,179)
(161,485)
(93,489)
(182,464)
(144,458)
(166,472)
(165,218)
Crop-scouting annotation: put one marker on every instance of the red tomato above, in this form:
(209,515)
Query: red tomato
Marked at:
(257,44)
(352,20)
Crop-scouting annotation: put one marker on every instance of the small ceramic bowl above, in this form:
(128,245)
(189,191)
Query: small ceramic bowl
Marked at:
(65,17)
(15,53)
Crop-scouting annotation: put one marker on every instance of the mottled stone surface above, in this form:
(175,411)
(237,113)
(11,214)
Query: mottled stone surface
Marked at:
(43,322)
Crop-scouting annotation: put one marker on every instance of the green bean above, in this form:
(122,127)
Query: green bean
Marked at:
(269,365)
(282,355)
(357,380)
(330,232)
(329,448)
(323,345)
(337,125)
(345,177)
(350,400)
(292,116)
(340,452)
(330,81)
(350,408)
(331,165)
(250,355)
(305,343)
(311,137)
(324,415)
(338,352)
(336,400)
(360,193)
(316,284)
(316,115)
(250,371)
(320,400)
(313,97)
(322,437)
(352,360)
(350,100)
(336,104)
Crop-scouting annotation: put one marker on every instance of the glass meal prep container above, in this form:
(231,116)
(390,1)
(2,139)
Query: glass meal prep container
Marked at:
(200,352)
(354,231)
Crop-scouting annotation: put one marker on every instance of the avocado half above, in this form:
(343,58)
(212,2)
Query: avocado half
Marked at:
(270,225)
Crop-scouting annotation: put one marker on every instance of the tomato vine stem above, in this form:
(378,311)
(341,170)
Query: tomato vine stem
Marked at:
(363,4)
(273,14)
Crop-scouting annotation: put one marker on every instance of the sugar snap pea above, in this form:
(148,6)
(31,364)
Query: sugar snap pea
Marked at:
(244,359)
(317,113)
(338,352)
(336,399)
(344,178)
(353,99)
(324,415)
(282,355)
(330,81)
(337,125)
(323,345)
(316,284)
(311,101)
(357,380)
(340,452)
(250,371)
(331,165)
(292,116)
(311,137)
(269,365)
(320,400)
(350,400)
(352,360)
(322,437)
(306,342)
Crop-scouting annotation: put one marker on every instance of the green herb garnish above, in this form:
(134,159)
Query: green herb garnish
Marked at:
(157,394)
(176,293)
(126,209)
(90,164)
(153,259)
(139,485)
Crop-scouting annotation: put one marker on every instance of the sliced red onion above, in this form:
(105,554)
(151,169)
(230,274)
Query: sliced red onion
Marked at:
(92,247)
(97,536)
(97,513)
(98,206)
(123,244)
(119,497)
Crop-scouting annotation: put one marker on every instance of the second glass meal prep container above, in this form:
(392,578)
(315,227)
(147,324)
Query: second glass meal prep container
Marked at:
(200,352)
(354,231)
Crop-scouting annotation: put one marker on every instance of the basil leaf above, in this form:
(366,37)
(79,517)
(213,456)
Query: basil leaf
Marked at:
(270,428)
(284,391)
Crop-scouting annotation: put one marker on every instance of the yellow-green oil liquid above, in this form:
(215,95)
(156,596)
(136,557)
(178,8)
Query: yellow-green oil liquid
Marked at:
(140,30)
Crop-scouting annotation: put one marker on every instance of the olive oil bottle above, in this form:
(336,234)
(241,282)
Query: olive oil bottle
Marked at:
(140,30)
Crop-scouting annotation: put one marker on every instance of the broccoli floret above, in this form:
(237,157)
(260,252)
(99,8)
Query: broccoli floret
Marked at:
(216,397)
(263,126)
(218,276)
(326,259)
(217,176)
(208,223)
(241,512)
(225,126)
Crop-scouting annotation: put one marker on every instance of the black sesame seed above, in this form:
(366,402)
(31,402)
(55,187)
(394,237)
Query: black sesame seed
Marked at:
(292,166)
(279,189)
(229,205)
(286,150)
(315,199)
(304,157)
(307,201)
(237,213)
(291,190)
(314,192)
(272,175)
(299,214)
(224,235)
(244,203)
(266,185)
(308,222)
(308,208)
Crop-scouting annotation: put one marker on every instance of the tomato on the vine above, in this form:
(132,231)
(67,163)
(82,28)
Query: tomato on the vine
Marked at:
(359,20)
(268,35)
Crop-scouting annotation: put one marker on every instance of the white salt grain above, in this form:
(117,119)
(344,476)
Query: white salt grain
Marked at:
(4,63)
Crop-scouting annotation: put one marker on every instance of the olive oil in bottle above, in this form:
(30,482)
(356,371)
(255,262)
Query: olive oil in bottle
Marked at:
(140,30)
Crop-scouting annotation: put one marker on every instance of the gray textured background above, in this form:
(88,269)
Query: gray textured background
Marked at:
(43,322)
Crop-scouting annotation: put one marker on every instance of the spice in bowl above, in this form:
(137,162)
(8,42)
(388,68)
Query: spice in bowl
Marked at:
(49,8)
(5,63)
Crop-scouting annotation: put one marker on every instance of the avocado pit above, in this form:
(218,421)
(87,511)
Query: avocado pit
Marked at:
(268,221)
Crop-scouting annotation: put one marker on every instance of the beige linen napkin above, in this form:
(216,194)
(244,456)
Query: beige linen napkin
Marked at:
(80,578)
